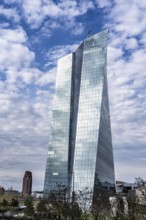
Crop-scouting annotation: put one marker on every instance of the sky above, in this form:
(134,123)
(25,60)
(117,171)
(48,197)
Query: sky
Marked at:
(34,34)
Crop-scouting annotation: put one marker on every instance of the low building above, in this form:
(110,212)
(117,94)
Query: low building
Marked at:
(123,187)
(11,192)
(37,194)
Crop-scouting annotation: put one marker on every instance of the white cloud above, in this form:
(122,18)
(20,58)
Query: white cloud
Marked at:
(74,8)
(143,39)
(127,82)
(77,29)
(10,13)
(103,3)
(24,118)
(48,26)
(17,35)
(114,54)
(16,58)
(23,109)
(131,43)
(48,77)
(20,55)
(133,22)
(59,51)
(63,13)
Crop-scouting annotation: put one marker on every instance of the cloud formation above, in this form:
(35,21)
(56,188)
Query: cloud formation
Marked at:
(24,107)
(10,13)
(127,83)
(62,13)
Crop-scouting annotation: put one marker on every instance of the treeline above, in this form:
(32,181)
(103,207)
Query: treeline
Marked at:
(63,204)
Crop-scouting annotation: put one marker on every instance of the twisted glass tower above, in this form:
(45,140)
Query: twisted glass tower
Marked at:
(80,147)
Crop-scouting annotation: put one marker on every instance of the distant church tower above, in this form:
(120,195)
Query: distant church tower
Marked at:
(27,183)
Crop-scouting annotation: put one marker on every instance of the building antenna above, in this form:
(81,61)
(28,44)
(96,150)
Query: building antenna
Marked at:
(89,33)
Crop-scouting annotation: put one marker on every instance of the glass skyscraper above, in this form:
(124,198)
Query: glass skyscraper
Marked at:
(80,150)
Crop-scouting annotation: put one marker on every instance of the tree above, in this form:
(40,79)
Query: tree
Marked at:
(84,200)
(137,206)
(4,207)
(29,211)
(141,190)
(71,210)
(62,205)
(139,182)
(41,209)
(75,211)
(14,202)
(4,203)
(41,206)
(57,199)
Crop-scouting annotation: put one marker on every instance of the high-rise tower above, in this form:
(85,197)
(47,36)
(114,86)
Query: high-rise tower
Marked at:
(27,183)
(80,146)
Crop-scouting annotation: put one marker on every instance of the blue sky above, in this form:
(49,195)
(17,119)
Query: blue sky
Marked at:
(33,36)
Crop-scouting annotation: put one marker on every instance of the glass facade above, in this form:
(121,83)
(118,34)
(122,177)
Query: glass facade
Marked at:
(80,147)
(57,161)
